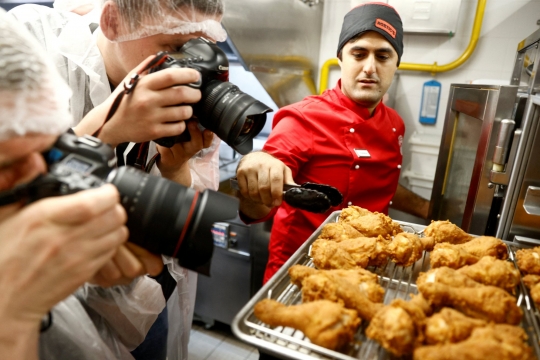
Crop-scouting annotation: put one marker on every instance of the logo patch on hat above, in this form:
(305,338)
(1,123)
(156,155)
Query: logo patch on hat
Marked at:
(381,24)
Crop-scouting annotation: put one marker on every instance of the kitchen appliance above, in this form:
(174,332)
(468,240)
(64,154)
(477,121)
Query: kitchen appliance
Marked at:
(238,264)
(487,179)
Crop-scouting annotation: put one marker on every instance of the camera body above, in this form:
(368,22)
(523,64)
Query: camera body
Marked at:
(163,217)
(235,117)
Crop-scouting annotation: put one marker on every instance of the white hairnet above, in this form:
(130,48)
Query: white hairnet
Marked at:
(140,19)
(33,96)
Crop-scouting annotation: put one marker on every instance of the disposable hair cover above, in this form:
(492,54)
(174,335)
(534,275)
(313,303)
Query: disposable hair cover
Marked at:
(139,19)
(33,96)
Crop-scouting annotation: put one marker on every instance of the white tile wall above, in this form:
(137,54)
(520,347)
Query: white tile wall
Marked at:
(505,23)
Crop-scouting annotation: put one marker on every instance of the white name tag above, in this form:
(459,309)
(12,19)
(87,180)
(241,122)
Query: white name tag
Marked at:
(362,153)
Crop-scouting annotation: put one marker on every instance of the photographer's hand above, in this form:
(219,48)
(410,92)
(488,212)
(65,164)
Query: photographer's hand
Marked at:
(156,108)
(130,262)
(173,162)
(51,247)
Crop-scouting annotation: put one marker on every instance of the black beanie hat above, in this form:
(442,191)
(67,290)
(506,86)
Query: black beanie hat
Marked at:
(375,16)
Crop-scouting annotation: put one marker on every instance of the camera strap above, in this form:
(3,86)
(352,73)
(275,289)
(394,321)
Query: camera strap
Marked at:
(142,155)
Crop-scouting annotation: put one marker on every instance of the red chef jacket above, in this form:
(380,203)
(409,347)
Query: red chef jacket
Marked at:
(330,139)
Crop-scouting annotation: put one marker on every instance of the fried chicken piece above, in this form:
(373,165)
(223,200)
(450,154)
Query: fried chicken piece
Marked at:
(374,249)
(398,327)
(533,283)
(325,323)
(327,254)
(501,342)
(488,303)
(450,326)
(312,282)
(371,224)
(528,260)
(445,231)
(339,232)
(456,256)
(447,276)
(491,271)
(406,248)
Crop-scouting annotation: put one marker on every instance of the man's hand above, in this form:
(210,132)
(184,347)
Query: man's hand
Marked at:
(51,247)
(261,178)
(129,262)
(156,108)
(173,162)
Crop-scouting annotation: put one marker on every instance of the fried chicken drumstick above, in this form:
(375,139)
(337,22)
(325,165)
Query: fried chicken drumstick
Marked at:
(398,327)
(350,253)
(491,271)
(370,224)
(456,256)
(444,231)
(484,302)
(450,326)
(528,260)
(406,248)
(321,284)
(501,342)
(324,322)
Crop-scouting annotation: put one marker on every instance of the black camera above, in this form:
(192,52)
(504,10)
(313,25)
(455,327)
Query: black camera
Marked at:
(235,117)
(163,217)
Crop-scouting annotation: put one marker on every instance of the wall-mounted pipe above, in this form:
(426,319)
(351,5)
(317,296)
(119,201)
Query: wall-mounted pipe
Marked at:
(432,68)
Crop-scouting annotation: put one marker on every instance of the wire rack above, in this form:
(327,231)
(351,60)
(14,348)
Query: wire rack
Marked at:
(397,281)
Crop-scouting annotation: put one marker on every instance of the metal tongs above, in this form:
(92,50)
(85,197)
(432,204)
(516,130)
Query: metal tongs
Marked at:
(312,197)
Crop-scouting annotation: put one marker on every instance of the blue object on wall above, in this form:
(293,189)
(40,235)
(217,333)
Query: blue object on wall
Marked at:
(431,96)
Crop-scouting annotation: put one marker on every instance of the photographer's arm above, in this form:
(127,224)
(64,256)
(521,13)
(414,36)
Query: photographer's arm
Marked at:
(151,111)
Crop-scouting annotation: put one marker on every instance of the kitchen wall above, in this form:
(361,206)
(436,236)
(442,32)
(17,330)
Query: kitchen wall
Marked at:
(505,24)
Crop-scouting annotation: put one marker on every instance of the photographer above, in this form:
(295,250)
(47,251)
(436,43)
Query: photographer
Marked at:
(50,248)
(97,60)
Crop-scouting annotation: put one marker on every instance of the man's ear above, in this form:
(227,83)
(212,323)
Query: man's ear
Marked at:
(110,20)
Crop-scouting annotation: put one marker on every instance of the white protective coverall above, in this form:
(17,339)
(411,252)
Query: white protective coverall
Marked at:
(92,323)
(70,41)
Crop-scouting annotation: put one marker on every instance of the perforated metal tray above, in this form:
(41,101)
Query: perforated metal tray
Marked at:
(398,282)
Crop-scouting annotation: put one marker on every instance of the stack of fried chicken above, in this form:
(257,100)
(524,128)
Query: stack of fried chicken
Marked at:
(465,307)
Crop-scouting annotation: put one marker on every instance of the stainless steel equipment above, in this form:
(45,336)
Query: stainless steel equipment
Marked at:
(487,179)
(398,282)
(279,41)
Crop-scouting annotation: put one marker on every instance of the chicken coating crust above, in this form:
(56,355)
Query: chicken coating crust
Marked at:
(533,283)
(528,260)
(325,323)
(491,271)
(488,303)
(313,282)
(339,232)
(450,326)
(371,224)
(445,231)
(325,252)
(501,342)
(457,256)
(398,327)
(405,249)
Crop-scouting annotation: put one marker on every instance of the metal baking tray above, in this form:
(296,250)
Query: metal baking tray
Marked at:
(398,282)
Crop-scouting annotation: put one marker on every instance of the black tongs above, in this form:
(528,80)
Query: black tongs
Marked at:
(312,197)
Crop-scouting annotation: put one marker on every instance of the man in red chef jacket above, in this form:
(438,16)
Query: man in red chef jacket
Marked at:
(346,138)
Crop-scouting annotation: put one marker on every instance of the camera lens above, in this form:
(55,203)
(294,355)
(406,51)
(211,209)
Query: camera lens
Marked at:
(231,114)
(167,218)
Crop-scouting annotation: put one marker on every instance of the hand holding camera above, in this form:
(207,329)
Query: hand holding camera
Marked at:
(73,236)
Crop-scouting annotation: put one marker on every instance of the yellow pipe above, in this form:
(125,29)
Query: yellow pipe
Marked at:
(432,68)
